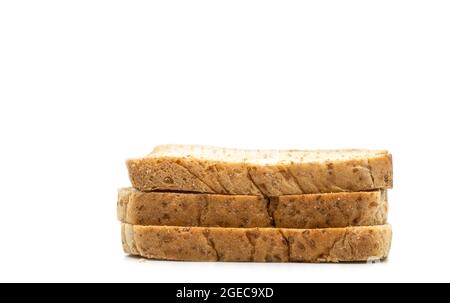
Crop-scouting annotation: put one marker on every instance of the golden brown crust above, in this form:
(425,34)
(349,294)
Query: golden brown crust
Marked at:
(182,209)
(330,210)
(296,172)
(259,244)
(213,210)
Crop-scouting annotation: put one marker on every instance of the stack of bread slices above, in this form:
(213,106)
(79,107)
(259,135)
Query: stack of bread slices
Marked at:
(203,203)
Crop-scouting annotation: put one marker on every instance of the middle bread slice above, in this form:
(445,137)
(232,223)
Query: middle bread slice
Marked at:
(214,210)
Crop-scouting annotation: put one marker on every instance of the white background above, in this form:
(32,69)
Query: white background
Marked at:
(86,84)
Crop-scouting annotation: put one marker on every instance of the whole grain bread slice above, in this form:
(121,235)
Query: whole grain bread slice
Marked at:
(196,168)
(215,210)
(257,244)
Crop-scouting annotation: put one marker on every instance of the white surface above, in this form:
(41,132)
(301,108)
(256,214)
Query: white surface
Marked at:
(86,84)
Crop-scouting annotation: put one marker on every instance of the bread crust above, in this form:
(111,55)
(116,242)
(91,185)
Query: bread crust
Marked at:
(349,244)
(269,173)
(215,210)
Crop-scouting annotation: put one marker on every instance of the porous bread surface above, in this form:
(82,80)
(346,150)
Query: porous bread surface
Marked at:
(261,156)
(215,210)
(196,168)
(347,244)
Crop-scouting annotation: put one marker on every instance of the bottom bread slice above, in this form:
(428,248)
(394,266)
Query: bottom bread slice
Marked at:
(346,244)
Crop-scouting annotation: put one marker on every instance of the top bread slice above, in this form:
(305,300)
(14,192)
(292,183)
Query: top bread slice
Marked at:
(206,169)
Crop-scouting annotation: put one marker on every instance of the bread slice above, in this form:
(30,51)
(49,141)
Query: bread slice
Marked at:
(257,244)
(196,168)
(214,210)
